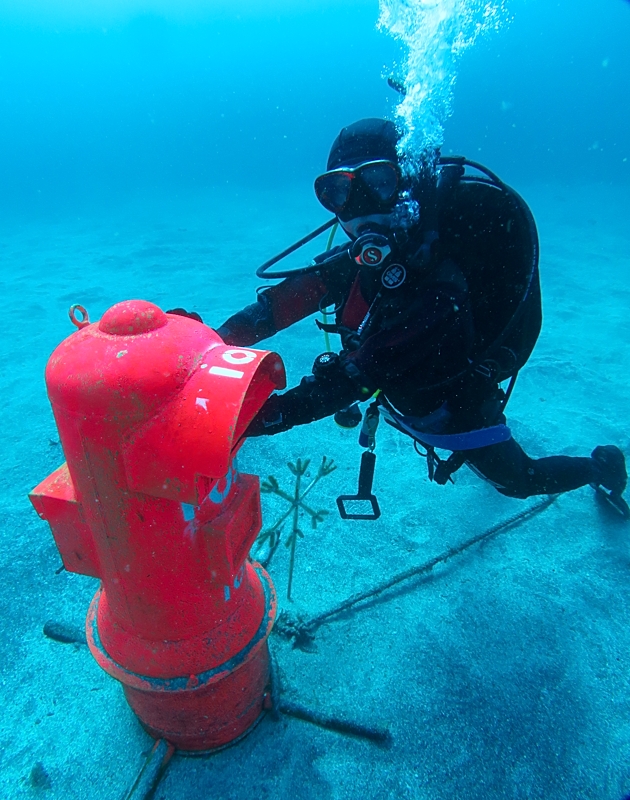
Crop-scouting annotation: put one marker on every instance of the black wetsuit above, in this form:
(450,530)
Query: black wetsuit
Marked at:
(414,343)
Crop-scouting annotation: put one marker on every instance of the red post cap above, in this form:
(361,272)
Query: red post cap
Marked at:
(132,317)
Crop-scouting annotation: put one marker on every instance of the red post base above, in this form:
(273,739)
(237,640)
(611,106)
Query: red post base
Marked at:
(199,712)
(210,717)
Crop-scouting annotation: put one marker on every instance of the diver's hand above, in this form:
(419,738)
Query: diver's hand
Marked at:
(329,389)
(270,419)
(181,312)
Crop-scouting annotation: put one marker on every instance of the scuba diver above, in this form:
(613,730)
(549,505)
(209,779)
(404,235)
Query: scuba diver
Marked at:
(437,302)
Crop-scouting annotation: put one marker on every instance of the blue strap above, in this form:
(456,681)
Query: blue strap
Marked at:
(469,440)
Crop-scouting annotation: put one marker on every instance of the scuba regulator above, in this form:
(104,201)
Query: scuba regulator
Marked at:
(371,250)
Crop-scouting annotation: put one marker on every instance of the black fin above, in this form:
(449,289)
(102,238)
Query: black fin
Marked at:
(616,501)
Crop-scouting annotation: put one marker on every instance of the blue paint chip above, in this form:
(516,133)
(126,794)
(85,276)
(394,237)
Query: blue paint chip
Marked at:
(188,511)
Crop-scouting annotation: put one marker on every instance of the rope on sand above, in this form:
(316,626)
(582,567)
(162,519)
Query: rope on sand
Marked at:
(301,630)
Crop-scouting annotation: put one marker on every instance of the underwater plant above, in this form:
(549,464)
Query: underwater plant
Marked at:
(272,535)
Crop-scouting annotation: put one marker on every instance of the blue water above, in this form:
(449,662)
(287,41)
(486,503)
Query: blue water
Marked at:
(96,106)
(163,150)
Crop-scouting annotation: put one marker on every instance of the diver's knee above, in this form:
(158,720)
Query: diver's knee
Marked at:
(506,485)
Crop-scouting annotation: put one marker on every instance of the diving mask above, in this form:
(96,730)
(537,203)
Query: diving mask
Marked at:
(378,181)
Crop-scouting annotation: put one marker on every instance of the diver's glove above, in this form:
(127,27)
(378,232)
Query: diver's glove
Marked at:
(181,312)
(330,388)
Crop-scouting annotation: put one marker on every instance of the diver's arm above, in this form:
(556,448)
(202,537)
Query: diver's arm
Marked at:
(287,302)
(277,308)
(328,390)
(250,325)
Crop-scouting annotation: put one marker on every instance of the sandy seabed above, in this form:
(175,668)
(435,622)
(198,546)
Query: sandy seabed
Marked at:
(503,674)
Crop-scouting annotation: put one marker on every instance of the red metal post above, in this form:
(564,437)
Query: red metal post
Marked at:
(150,409)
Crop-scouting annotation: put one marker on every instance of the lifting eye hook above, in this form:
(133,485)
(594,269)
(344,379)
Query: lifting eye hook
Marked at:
(72,313)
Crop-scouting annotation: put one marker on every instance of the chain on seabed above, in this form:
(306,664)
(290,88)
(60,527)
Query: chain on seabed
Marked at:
(434,34)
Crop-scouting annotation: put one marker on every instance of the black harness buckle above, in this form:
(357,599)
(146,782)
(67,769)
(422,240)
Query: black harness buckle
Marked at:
(444,469)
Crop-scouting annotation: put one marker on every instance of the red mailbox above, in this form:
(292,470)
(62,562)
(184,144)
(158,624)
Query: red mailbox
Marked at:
(150,409)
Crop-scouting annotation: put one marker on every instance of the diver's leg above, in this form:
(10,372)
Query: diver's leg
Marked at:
(515,474)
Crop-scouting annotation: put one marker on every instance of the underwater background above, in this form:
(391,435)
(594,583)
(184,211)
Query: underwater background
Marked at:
(163,150)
